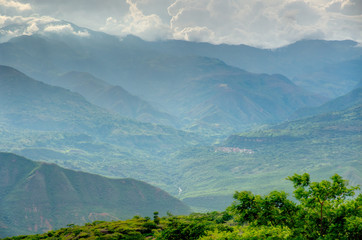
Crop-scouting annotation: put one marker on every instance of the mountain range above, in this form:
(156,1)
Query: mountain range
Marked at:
(335,64)
(177,86)
(328,68)
(197,120)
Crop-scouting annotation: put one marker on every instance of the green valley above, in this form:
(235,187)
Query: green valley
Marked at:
(258,160)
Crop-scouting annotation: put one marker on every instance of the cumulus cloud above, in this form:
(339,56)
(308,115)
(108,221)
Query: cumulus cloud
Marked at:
(348,7)
(259,23)
(263,23)
(196,34)
(149,27)
(17,25)
(31,29)
(85,13)
(15,5)
(19,20)
(65,29)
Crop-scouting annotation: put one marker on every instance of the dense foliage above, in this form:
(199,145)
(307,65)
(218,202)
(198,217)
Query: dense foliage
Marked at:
(323,210)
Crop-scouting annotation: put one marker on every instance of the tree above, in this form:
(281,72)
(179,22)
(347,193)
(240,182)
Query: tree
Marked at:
(156,218)
(324,204)
(178,229)
(273,209)
(324,210)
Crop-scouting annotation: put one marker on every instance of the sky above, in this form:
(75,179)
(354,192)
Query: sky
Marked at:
(265,24)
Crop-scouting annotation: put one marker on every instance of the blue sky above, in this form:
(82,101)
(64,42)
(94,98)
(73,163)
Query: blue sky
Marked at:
(267,24)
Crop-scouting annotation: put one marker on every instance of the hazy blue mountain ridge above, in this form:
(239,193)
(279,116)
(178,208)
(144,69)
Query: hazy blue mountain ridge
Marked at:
(238,99)
(113,98)
(329,68)
(30,104)
(352,98)
(316,65)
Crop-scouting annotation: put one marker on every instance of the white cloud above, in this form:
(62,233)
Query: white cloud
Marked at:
(65,29)
(262,23)
(86,13)
(347,7)
(299,13)
(149,27)
(15,5)
(197,34)
(19,20)
(31,29)
(17,25)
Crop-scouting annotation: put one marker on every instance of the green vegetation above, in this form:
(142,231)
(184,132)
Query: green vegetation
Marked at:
(323,210)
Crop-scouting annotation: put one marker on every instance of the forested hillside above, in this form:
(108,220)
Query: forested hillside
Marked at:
(37,197)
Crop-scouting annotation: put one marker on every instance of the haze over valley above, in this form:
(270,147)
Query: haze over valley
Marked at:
(102,124)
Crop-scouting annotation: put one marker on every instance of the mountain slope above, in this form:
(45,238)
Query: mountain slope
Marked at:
(350,99)
(37,197)
(30,104)
(27,103)
(237,99)
(113,98)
